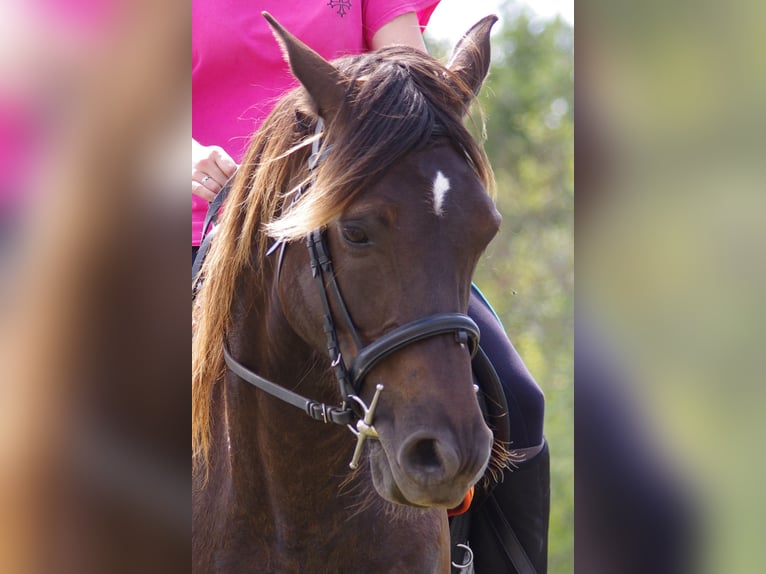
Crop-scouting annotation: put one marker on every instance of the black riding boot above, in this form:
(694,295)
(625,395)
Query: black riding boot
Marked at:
(509,530)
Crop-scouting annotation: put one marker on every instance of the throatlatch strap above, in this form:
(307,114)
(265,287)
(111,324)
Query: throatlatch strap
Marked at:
(316,410)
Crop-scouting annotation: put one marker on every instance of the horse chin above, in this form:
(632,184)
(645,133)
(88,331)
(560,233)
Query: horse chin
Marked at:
(387,488)
(385,481)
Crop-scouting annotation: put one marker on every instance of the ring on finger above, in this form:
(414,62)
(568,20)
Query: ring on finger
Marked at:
(204,179)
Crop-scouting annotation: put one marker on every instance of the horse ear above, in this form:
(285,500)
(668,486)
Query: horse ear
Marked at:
(471,56)
(323,81)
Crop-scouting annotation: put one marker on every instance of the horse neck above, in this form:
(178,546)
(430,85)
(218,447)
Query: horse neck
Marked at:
(276,450)
(279,474)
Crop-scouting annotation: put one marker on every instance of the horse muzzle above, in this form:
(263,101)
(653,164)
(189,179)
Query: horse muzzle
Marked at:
(431,469)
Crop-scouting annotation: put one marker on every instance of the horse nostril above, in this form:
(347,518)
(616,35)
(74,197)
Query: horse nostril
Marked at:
(429,457)
(424,453)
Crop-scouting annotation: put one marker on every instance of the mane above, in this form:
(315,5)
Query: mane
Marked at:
(399,100)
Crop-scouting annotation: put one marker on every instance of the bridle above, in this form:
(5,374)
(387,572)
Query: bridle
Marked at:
(352,412)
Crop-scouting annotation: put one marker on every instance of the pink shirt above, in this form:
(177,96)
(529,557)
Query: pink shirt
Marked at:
(239,73)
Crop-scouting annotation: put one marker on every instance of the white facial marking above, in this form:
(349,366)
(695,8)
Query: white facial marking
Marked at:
(441,187)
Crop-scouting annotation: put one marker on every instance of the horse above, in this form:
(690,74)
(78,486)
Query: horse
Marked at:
(338,282)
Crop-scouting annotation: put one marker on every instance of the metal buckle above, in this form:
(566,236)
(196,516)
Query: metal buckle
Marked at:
(313,409)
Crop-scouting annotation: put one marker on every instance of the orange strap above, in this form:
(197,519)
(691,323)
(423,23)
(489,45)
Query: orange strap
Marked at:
(465,505)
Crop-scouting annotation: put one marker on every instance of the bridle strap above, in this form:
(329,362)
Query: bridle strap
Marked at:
(320,256)
(465,329)
(321,266)
(316,410)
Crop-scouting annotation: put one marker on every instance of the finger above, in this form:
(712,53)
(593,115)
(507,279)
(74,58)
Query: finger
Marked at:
(207,182)
(224,162)
(201,191)
(215,177)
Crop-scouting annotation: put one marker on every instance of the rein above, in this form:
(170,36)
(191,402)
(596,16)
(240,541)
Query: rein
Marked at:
(352,412)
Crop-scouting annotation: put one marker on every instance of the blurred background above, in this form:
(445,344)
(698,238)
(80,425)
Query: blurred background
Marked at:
(95,105)
(670,257)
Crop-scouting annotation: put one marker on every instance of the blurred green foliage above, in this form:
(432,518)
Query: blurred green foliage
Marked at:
(527,273)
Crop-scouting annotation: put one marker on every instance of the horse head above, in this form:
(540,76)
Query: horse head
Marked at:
(410,217)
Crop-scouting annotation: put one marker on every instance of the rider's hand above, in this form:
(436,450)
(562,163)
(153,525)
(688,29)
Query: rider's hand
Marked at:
(211,168)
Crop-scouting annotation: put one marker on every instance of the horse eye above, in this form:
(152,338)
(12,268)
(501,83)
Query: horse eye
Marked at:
(355,235)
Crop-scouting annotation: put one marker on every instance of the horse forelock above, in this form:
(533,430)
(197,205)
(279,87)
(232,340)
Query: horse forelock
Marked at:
(398,100)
